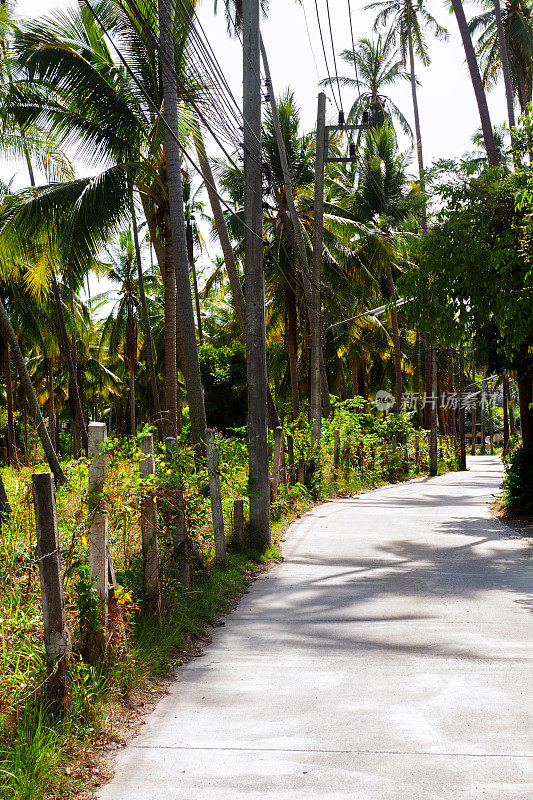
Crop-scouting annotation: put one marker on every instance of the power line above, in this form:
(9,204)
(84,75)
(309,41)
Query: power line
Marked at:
(334,54)
(310,43)
(353,49)
(158,113)
(325,56)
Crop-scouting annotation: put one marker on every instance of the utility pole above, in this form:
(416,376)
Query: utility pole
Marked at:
(258,467)
(316,298)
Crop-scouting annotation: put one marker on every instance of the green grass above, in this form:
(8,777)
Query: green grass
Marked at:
(46,756)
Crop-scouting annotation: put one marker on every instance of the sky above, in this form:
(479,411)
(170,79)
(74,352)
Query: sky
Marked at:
(448,110)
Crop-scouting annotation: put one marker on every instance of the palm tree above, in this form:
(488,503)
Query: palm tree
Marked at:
(377,66)
(75,88)
(121,328)
(477,83)
(407,22)
(517,28)
(385,197)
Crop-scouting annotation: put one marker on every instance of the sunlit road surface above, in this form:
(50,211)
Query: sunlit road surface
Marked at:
(389,657)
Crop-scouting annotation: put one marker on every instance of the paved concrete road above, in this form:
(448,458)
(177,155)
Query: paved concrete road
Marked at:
(389,657)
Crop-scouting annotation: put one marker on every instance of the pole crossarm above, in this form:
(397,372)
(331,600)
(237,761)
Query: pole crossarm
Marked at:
(330,129)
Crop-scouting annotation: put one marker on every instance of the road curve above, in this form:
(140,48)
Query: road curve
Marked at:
(389,657)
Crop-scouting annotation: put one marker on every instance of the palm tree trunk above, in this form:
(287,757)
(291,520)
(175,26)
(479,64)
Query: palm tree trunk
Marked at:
(396,340)
(418,133)
(73,378)
(504,55)
(192,267)
(193,378)
(77,425)
(229,258)
(292,347)
(171,363)
(11,441)
(50,454)
(474,409)
(51,399)
(132,398)
(148,342)
(505,413)
(477,83)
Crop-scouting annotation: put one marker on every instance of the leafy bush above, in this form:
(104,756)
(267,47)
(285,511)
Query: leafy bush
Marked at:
(518,486)
(224,381)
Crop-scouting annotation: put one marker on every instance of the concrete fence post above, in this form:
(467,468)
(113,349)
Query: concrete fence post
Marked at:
(98,529)
(417,451)
(394,443)
(217,513)
(57,642)
(180,541)
(149,529)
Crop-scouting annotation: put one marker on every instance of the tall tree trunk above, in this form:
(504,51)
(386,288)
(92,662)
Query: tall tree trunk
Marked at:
(427,380)
(483,413)
(193,380)
(171,362)
(474,409)
(462,414)
(505,413)
(192,267)
(73,378)
(12,455)
(477,84)
(396,340)
(418,133)
(525,398)
(147,332)
(504,55)
(132,398)
(229,258)
(51,400)
(77,424)
(292,347)
(50,454)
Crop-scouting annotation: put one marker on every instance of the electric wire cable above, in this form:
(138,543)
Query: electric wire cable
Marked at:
(325,56)
(159,115)
(334,54)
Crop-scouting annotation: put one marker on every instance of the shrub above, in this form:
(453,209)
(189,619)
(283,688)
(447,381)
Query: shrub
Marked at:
(518,486)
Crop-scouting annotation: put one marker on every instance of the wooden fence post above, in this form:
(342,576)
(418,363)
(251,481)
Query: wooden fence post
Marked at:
(238,520)
(180,541)
(149,528)
(417,451)
(216,498)
(276,459)
(394,443)
(98,529)
(56,635)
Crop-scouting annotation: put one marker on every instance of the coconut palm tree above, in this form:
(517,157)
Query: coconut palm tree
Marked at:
(377,66)
(406,22)
(517,25)
(477,83)
(75,88)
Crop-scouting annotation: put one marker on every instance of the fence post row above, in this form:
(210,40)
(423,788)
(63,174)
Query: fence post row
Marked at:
(98,529)
(217,513)
(56,635)
(149,527)
(179,532)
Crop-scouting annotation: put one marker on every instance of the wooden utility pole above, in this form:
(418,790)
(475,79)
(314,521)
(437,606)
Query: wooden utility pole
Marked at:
(462,426)
(316,301)
(259,481)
